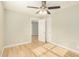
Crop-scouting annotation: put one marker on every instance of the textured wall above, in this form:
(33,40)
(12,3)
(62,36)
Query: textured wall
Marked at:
(18,28)
(1,27)
(65,27)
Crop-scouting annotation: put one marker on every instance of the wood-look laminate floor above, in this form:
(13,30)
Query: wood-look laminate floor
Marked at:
(37,48)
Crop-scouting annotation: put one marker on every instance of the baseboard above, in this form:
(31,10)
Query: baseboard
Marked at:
(63,47)
(13,45)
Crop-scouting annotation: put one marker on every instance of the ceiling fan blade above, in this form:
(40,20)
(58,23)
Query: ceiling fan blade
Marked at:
(54,7)
(37,11)
(33,7)
(48,12)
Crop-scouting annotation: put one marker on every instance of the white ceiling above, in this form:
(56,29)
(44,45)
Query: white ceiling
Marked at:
(21,6)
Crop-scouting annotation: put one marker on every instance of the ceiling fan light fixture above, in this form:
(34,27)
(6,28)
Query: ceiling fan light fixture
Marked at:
(42,12)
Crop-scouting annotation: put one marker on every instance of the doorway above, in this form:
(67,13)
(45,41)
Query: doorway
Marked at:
(39,31)
(34,31)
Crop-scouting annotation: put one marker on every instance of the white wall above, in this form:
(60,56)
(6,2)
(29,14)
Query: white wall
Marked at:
(65,27)
(18,28)
(1,27)
(41,30)
(49,28)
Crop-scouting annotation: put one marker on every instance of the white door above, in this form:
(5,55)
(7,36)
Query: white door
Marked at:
(41,30)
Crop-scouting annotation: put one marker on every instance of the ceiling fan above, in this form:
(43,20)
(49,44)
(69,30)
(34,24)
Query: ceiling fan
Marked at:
(44,8)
